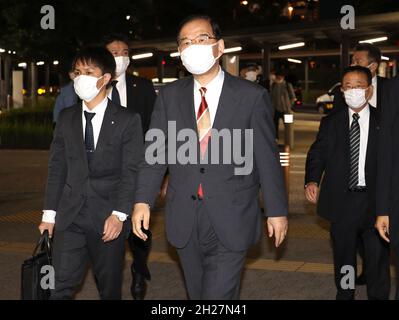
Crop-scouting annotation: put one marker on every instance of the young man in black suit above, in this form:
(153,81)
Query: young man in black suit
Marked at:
(136,95)
(345,155)
(94,157)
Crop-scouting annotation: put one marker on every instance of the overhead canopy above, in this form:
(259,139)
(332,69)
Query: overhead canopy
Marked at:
(322,38)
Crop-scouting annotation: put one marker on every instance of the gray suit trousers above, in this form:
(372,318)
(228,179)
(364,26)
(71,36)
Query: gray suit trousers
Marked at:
(211,271)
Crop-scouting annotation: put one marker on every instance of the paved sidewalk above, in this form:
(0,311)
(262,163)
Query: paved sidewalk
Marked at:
(301,269)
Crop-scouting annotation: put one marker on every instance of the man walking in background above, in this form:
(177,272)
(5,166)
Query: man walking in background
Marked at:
(283,96)
(137,95)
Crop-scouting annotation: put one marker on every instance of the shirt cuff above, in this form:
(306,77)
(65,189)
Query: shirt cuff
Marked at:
(120,215)
(49,216)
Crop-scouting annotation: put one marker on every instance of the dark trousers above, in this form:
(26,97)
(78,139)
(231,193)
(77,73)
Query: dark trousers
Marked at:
(345,236)
(140,250)
(211,271)
(80,244)
(396,252)
(277,116)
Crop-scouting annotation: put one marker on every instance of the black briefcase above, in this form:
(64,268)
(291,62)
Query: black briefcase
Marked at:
(31,275)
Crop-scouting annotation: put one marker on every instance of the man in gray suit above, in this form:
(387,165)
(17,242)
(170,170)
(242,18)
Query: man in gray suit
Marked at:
(212,211)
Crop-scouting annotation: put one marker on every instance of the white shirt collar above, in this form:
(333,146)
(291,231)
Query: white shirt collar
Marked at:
(122,78)
(374,80)
(98,109)
(362,114)
(215,82)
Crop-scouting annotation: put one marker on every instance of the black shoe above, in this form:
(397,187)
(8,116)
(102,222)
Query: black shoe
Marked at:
(139,286)
(361,280)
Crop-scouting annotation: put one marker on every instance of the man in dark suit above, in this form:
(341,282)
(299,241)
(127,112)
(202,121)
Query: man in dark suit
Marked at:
(344,154)
(138,96)
(94,159)
(388,171)
(66,98)
(369,56)
(212,212)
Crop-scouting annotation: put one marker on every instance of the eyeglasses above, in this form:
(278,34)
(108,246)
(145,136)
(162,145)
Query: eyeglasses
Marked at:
(348,87)
(201,39)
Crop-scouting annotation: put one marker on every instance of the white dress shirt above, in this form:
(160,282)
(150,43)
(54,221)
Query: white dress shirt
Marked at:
(121,86)
(97,121)
(373,100)
(212,95)
(364,119)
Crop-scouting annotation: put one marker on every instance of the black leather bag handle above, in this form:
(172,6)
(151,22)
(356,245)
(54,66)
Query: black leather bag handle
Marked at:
(44,244)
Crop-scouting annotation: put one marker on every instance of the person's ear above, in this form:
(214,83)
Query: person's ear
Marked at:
(369,92)
(220,48)
(106,79)
(373,67)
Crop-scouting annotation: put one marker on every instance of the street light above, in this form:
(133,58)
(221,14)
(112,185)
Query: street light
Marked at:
(385,58)
(233,49)
(290,46)
(374,40)
(22,65)
(142,56)
(2,50)
(127,17)
(294,60)
(175,54)
(40,63)
(55,62)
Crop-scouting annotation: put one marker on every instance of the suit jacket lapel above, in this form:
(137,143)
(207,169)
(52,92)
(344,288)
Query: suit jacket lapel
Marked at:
(342,127)
(372,137)
(77,133)
(187,104)
(106,127)
(129,91)
(226,103)
(379,91)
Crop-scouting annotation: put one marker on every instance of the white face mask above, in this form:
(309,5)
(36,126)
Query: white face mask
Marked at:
(251,76)
(86,87)
(121,65)
(355,98)
(198,58)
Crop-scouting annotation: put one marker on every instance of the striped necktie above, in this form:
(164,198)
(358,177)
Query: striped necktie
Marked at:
(204,129)
(354,143)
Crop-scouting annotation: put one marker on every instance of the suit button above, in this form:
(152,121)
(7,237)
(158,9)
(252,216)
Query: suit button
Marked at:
(202,170)
(193,197)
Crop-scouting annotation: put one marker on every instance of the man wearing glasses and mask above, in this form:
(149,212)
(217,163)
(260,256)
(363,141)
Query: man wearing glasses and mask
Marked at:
(212,215)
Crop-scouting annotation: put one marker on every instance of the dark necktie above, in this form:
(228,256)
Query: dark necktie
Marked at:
(354,142)
(115,97)
(89,135)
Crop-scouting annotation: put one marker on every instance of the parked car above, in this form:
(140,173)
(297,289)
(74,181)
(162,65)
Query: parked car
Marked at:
(324,103)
